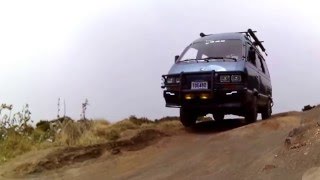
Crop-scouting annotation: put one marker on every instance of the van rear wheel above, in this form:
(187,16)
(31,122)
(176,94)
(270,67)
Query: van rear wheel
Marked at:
(267,111)
(251,111)
(187,117)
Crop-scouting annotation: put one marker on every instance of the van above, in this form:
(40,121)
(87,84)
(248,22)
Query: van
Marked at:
(220,74)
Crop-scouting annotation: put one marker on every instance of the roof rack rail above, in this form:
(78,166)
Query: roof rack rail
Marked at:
(249,33)
(256,42)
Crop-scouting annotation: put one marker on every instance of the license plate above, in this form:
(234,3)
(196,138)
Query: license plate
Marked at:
(199,85)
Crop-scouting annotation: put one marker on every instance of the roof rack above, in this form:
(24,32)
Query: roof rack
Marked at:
(256,42)
(249,33)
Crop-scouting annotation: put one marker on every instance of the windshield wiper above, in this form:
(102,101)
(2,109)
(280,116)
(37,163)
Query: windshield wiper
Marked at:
(235,59)
(208,58)
(185,60)
(218,57)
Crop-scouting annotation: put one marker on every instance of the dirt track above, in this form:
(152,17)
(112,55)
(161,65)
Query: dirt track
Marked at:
(268,149)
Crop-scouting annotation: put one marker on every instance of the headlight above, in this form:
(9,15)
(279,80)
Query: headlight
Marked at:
(170,80)
(230,78)
(236,78)
(224,78)
(177,80)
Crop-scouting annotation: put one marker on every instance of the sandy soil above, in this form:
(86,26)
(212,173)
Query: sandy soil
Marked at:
(286,146)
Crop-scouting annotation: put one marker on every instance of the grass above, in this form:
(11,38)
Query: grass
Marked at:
(15,144)
(67,132)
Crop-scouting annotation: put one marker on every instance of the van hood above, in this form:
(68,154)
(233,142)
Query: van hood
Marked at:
(218,66)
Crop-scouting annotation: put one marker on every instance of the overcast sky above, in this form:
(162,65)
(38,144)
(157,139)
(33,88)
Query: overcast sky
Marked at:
(114,52)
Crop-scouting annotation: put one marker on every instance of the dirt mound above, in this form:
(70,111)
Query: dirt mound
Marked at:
(300,150)
(71,155)
(284,114)
(285,146)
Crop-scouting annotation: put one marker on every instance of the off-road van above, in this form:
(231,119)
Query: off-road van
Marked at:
(220,74)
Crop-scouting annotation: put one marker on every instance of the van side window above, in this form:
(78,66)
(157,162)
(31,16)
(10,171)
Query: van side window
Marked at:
(254,63)
(258,62)
(265,67)
(262,65)
(252,54)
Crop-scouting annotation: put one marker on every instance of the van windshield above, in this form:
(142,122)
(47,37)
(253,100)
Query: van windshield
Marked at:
(213,48)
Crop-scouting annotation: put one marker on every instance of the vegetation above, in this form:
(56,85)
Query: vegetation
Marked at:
(307,107)
(17,136)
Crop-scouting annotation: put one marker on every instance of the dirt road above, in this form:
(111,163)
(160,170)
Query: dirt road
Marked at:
(268,149)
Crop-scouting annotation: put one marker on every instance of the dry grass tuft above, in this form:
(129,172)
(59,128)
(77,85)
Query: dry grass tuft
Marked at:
(67,132)
(14,144)
(71,132)
(169,125)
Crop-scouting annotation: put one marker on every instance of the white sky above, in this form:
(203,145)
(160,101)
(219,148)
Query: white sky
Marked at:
(114,52)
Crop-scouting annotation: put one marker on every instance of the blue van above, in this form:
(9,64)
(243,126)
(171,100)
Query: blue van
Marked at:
(220,74)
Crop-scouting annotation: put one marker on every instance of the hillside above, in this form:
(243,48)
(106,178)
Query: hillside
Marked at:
(283,147)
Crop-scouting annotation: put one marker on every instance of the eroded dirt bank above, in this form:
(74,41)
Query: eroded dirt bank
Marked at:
(284,147)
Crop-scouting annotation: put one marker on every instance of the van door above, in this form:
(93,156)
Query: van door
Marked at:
(262,98)
(265,86)
(253,72)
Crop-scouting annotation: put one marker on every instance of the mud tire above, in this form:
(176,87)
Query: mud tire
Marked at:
(267,111)
(187,117)
(251,111)
(218,116)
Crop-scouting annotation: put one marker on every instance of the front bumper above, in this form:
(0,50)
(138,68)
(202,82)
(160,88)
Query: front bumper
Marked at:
(227,97)
(219,98)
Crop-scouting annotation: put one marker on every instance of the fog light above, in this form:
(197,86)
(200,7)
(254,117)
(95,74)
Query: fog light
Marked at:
(204,96)
(188,96)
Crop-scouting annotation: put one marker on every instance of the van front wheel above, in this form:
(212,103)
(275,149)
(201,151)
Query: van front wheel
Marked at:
(187,117)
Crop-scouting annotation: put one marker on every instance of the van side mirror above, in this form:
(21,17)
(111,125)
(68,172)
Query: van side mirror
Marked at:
(176,58)
(252,55)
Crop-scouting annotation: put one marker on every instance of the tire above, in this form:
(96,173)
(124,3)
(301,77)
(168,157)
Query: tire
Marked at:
(251,111)
(266,111)
(187,117)
(218,116)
